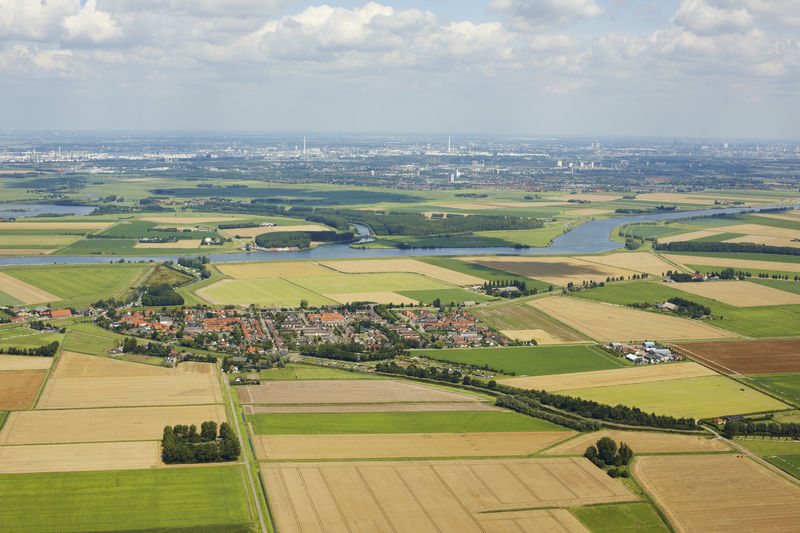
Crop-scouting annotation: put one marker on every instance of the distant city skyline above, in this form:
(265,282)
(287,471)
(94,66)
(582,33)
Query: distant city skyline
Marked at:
(723,69)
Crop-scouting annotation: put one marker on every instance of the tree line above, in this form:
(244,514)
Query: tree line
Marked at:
(737,428)
(726,247)
(182,444)
(45,350)
(351,351)
(301,239)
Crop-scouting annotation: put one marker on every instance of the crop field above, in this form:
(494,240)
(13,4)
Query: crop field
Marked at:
(480,271)
(786,386)
(189,220)
(409,445)
(24,292)
(33,241)
(642,442)
(701,397)
(690,236)
(343,283)
(19,362)
(532,360)
(183,243)
(525,335)
(370,408)
(623,517)
(297,371)
(18,388)
(520,317)
(80,457)
(556,270)
(746,264)
(434,495)
(723,493)
(146,500)
(272,269)
(54,225)
(414,422)
(25,251)
(746,357)
(380,297)
(62,282)
(102,425)
(740,293)
(265,292)
(253,232)
(605,378)
(635,261)
(446,296)
(606,323)
(410,266)
(348,391)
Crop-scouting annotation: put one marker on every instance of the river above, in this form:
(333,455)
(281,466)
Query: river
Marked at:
(588,238)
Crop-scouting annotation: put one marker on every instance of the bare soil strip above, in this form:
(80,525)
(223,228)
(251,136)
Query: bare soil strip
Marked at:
(24,292)
(21,362)
(606,322)
(102,425)
(371,408)
(746,357)
(642,442)
(411,445)
(605,378)
(79,457)
(431,495)
(348,391)
(18,388)
(719,493)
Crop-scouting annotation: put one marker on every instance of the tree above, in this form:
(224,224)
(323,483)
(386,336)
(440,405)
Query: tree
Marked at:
(607,450)
(625,453)
(129,345)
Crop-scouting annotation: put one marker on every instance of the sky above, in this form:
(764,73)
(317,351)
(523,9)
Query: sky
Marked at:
(727,69)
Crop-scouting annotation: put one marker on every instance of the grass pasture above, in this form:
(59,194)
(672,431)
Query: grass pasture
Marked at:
(420,422)
(190,498)
(310,372)
(634,517)
(699,397)
(785,386)
(265,292)
(531,360)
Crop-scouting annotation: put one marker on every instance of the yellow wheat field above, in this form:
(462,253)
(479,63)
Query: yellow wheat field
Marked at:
(24,292)
(407,445)
(78,365)
(733,263)
(766,239)
(411,266)
(24,251)
(606,322)
(18,362)
(740,293)
(719,493)
(102,425)
(617,376)
(183,243)
(636,261)
(689,236)
(538,335)
(272,269)
(79,457)
(642,442)
(380,297)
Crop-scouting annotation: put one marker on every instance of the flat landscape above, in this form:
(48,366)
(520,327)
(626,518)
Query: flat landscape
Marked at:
(16,362)
(429,496)
(403,265)
(523,317)
(740,293)
(18,388)
(642,442)
(607,323)
(746,357)
(75,457)
(556,270)
(723,493)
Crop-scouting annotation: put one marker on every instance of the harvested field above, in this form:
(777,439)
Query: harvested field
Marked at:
(690,236)
(380,297)
(522,316)
(555,520)
(480,206)
(24,292)
(746,357)
(24,251)
(78,365)
(758,229)
(348,391)
(79,457)
(790,215)
(404,265)
(556,270)
(38,240)
(187,220)
(606,322)
(723,493)
(591,197)
(253,232)
(406,445)
(642,442)
(605,378)
(102,425)
(271,269)
(54,225)
(733,263)
(740,293)
(637,261)
(430,495)
(371,408)
(587,212)
(18,388)
(18,362)
(525,335)
(769,240)
(183,243)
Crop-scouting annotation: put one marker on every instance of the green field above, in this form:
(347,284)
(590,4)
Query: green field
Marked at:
(71,282)
(532,360)
(781,285)
(266,292)
(361,423)
(528,237)
(788,463)
(638,517)
(346,283)
(125,500)
(164,275)
(780,258)
(786,386)
(29,341)
(308,372)
(94,343)
(483,272)
(6,299)
(701,397)
(446,296)
(765,447)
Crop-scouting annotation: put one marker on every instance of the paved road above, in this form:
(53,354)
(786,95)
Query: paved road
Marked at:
(246,460)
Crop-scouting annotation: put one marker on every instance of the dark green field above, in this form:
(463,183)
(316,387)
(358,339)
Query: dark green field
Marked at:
(788,463)
(125,500)
(638,517)
(532,360)
(362,423)
(786,386)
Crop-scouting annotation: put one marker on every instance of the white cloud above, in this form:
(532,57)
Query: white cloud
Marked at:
(701,18)
(55,21)
(538,13)
(92,25)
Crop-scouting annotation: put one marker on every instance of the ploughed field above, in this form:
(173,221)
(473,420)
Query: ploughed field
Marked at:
(746,357)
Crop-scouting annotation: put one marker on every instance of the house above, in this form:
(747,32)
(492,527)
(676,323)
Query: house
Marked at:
(60,313)
(667,306)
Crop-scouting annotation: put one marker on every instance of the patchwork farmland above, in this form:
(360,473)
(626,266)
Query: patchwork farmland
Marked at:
(746,357)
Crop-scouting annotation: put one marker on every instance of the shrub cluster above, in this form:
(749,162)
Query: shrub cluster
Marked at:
(605,453)
(183,444)
(45,350)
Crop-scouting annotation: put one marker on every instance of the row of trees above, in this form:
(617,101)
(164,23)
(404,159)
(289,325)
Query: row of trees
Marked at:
(736,428)
(182,444)
(301,239)
(45,350)
(440,374)
(690,308)
(351,351)
(726,247)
